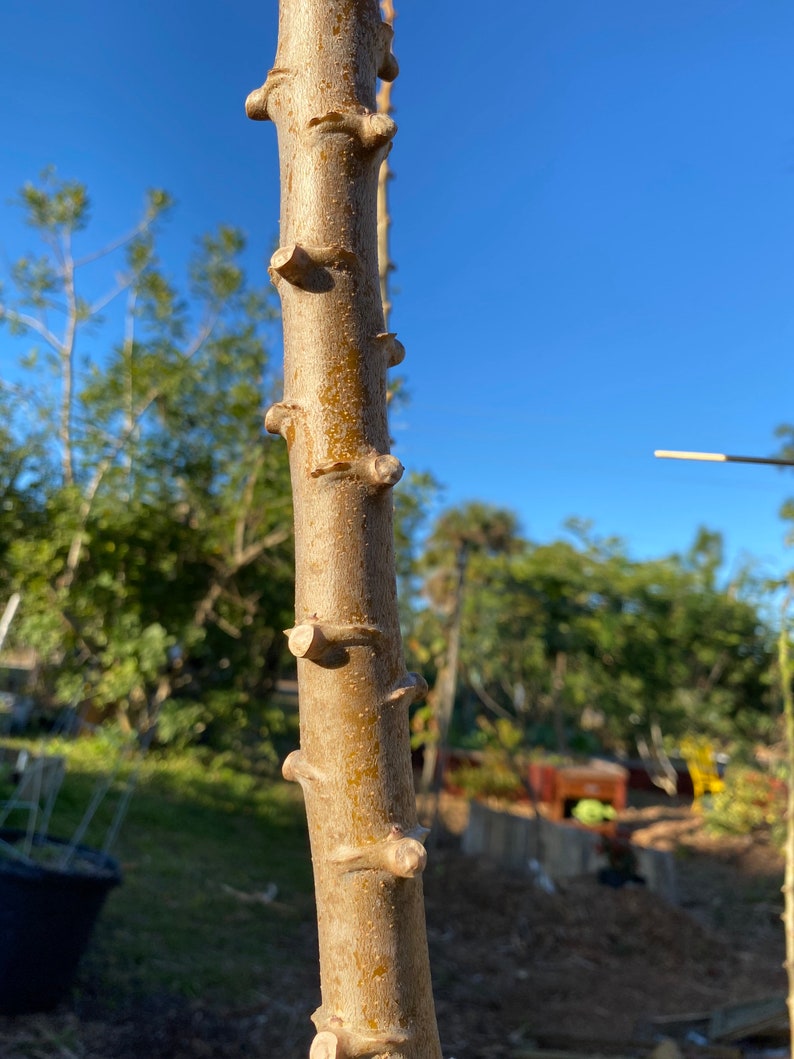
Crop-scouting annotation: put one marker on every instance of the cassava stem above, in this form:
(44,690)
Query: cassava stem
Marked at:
(354,760)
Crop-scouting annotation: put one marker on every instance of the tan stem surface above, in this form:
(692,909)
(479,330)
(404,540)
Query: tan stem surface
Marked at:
(354,763)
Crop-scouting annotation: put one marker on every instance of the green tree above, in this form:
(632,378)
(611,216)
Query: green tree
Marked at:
(155,558)
(413,503)
(460,535)
(558,632)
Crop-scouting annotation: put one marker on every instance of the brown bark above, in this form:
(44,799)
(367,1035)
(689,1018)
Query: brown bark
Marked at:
(354,762)
(557,688)
(445,690)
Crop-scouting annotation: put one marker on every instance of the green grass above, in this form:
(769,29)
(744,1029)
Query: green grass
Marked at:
(200,832)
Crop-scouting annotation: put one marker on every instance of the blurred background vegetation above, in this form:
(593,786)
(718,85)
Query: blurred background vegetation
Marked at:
(146,525)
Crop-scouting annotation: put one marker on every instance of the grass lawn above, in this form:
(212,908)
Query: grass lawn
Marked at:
(202,839)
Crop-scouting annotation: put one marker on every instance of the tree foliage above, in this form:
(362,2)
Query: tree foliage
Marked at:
(147,518)
(583,646)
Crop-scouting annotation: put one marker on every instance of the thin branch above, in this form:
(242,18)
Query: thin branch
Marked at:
(52,241)
(203,333)
(127,354)
(116,244)
(227,627)
(51,303)
(226,572)
(248,496)
(204,609)
(106,299)
(249,604)
(488,700)
(253,551)
(33,324)
(67,364)
(75,548)
(716,672)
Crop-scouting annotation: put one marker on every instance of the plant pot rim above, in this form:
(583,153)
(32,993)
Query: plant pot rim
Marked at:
(88,865)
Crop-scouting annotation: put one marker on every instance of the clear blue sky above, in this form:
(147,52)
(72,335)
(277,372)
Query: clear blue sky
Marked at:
(593,226)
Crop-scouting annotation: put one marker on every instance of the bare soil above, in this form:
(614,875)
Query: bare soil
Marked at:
(513,965)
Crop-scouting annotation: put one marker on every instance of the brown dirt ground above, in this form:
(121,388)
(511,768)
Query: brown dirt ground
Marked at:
(513,966)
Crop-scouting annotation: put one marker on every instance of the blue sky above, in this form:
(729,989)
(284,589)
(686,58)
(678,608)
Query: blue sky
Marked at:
(593,227)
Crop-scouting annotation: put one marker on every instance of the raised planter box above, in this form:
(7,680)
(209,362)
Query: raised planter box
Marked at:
(560,787)
(563,850)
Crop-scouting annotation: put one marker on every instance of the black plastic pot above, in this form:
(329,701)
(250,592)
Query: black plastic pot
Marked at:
(46,918)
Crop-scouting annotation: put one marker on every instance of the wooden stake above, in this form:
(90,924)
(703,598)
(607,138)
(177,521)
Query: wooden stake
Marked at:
(385,264)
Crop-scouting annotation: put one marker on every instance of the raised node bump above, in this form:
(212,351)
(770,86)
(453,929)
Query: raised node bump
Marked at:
(392,347)
(401,853)
(379,469)
(297,770)
(372,129)
(325,1046)
(413,689)
(408,858)
(380,131)
(307,641)
(292,263)
(288,767)
(387,470)
(351,1043)
(314,640)
(256,101)
(278,417)
(389,67)
(256,104)
(299,264)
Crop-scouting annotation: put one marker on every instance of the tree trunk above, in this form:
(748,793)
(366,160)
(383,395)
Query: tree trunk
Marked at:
(354,763)
(445,690)
(557,688)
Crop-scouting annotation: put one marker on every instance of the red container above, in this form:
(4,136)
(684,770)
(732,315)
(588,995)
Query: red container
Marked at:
(560,787)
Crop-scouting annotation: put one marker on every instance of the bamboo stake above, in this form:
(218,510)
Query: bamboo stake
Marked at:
(784,663)
(8,616)
(385,265)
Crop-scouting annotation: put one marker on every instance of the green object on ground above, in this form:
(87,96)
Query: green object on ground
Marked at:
(591,812)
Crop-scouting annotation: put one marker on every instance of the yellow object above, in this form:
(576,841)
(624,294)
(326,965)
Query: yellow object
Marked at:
(702,764)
